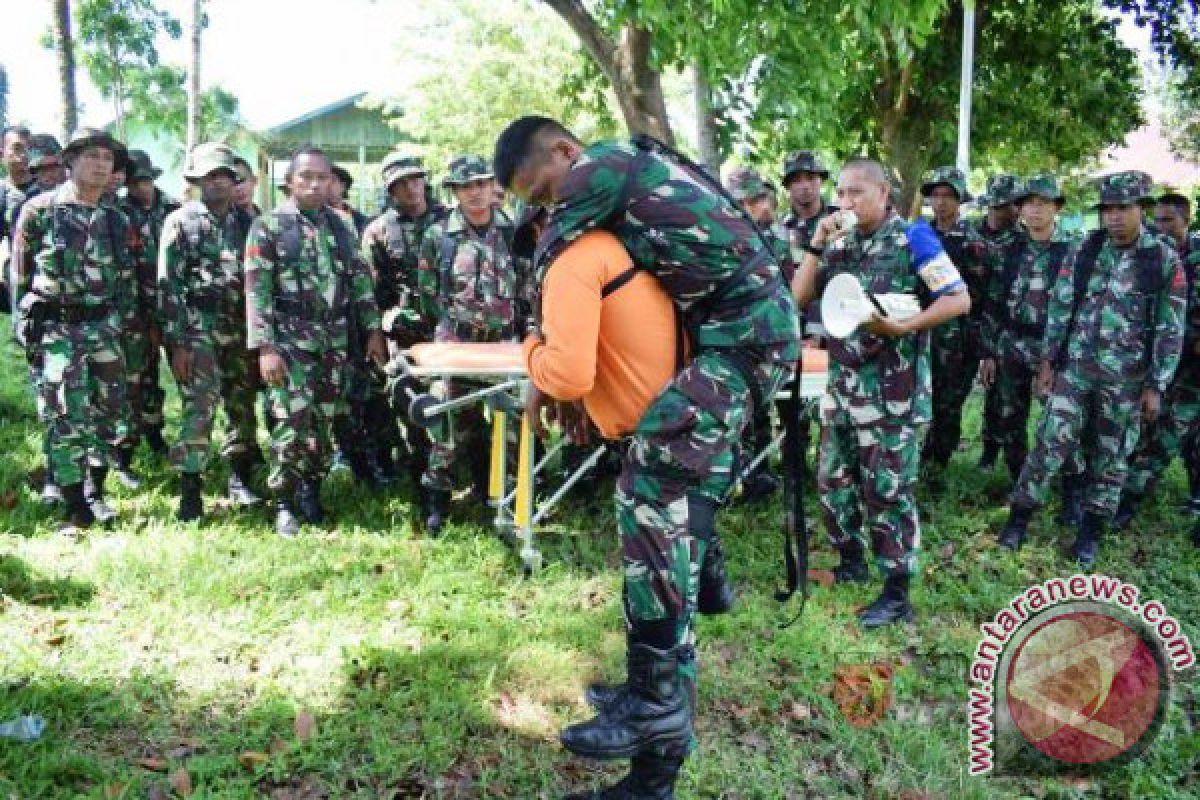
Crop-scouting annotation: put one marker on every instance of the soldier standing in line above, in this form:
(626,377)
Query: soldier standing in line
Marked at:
(74,259)
(308,294)
(243,190)
(954,353)
(466,269)
(14,150)
(203,319)
(1114,332)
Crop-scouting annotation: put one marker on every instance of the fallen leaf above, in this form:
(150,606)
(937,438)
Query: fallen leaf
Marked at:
(113,790)
(947,551)
(278,746)
(156,792)
(863,692)
(181,782)
(251,759)
(56,640)
(306,726)
(801,712)
(8,500)
(153,764)
(822,577)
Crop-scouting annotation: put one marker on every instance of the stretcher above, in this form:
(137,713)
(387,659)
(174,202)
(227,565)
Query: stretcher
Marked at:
(500,368)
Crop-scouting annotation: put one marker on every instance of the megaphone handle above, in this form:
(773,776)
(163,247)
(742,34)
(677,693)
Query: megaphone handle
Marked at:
(875,302)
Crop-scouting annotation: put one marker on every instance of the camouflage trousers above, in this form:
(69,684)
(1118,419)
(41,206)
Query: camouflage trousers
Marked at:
(1100,420)
(866,477)
(83,397)
(1161,441)
(221,376)
(146,396)
(992,430)
(302,413)
(954,362)
(1013,390)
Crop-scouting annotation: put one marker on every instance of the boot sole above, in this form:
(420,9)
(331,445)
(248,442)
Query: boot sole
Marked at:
(907,619)
(624,752)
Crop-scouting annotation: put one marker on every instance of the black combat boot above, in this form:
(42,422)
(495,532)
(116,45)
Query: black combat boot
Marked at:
(759,485)
(1072,501)
(77,514)
(853,567)
(1088,540)
(651,777)
(891,606)
(655,709)
(1012,535)
(124,470)
(714,595)
(1015,461)
(191,504)
(93,490)
(1126,510)
(434,503)
(287,525)
(156,442)
(238,489)
(308,501)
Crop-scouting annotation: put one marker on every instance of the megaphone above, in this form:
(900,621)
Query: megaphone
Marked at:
(846,305)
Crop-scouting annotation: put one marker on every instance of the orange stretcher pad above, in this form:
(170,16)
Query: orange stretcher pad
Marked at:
(506,360)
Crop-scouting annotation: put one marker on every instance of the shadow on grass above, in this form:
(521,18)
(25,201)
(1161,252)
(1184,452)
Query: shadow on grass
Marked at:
(20,583)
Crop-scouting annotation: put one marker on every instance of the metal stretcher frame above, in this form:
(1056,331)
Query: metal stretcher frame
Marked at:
(517,512)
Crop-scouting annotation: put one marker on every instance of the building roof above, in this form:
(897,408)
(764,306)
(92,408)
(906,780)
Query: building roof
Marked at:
(343,129)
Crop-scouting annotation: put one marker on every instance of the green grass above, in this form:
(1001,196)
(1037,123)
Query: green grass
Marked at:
(433,669)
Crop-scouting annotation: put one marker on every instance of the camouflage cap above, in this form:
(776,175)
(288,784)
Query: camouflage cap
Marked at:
(947,176)
(399,165)
(1043,185)
(799,161)
(1123,188)
(84,138)
(465,169)
(1002,189)
(744,183)
(140,167)
(208,158)
(41,147)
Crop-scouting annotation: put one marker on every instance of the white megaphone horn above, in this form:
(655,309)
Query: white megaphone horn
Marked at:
(845,306)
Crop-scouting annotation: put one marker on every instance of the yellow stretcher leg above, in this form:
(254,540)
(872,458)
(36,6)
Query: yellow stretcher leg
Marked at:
(499,466)
(523,502)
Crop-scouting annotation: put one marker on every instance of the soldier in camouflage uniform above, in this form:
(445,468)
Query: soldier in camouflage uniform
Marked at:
(466,270)
(74,261)
(680,226)
(1015,305)
(45,162)
(955,345)
(307,291)
(998,228)
(1114,332)
(1180,419)
(879,395)
(203,320)
(14,149)
(391,247)
(147,208)
(804,173)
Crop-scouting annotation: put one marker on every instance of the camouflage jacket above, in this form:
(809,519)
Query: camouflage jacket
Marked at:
(200,281)
(149,224)
(1017,297)
(779,239)
(875,379)
(391,246)
(74,254)
(800,231)
(304,278)
(1189,360)
(1127,323)
(687,232)
(469,275)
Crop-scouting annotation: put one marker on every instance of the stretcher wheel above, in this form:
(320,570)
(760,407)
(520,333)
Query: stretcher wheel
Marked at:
(531,563)
(418,411)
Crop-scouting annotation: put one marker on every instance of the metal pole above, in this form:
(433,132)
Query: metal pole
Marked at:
(964,91)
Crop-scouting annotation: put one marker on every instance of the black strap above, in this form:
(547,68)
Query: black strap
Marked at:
(1089,251)
(680,329)
(619,281)
(795,478)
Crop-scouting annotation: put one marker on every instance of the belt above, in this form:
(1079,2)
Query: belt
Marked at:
(75,314)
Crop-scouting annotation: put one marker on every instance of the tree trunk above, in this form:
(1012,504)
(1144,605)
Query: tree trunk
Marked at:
(626,64)
(65,48)
(118,88)
(193,99)
(706,128)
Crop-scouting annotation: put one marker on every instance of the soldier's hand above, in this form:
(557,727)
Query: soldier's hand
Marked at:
(181,364)
(1045,379)
(1151,404)
(987,372)
(887,326)
(575,422)
(535,403)
(272,367)
(377,349)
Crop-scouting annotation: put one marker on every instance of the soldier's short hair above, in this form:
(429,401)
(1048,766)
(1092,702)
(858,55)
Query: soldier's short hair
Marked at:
(516,144)
(19,130)
(872,168)
(306,150)
(1178,202)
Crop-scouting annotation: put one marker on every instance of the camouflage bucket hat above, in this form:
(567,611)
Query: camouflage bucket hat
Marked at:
(400,165)
(140,167)
(1002,189)
(208,158)
(947,176)
(41,147)
(94,137)
(465,169)
(799,161)
(1123,188)
(744,183)
(1042,186)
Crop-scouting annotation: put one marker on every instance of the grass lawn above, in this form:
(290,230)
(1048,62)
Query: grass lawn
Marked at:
(365,661)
